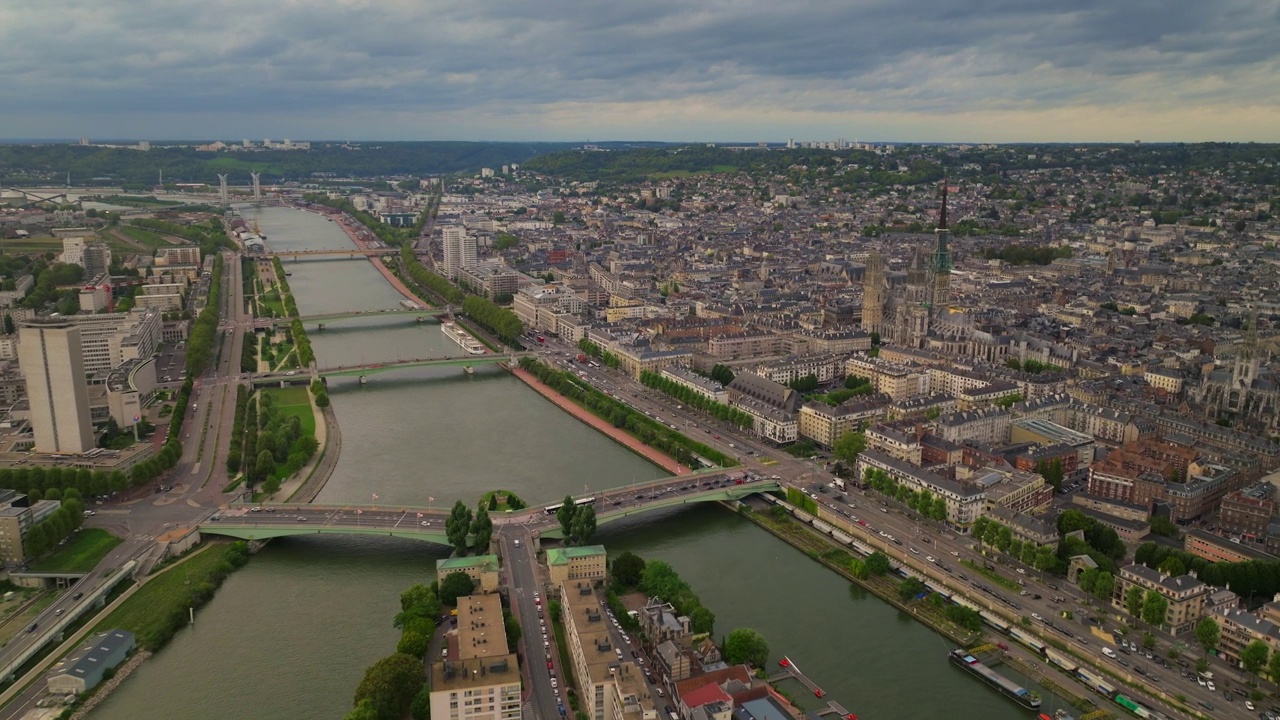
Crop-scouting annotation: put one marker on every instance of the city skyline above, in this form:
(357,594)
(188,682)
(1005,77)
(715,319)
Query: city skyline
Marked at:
(984,72)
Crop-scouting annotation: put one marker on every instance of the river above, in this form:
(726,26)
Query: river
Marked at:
(289,635)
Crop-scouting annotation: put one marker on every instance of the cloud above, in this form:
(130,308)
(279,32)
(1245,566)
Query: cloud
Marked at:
(665,69)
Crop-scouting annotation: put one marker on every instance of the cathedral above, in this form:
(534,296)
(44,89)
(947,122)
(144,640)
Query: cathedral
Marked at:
(1243,391)
(907,316)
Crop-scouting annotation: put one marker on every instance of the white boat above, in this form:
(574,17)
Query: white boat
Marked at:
(460,336)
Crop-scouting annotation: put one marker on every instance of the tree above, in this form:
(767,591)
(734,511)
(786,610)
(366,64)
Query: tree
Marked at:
(265,465)
(565,516)
(413,643)
(848,446)
(1045,558)
(877,563)
(482,530)
(1148,640)
(746,646)
(420,708)
(457,525)
(390,684)
(702,620)
(627,569)
(1273,666)
(1254,656)
(1208,633)
(1173,567)
(9,327)
(364,710)
(584,524)
(1104,585)
(418,595)
(1086,579)
(1133,600)
(455,585)
(910,588)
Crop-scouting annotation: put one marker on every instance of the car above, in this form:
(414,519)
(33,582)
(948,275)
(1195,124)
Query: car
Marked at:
(32,628)
(1209,684)
(1207,705)
(58,612)
(716,437)
(930,558)
(425,523)
(914,551)
(554,683)
(77,596)
(255,509)
(955,553)
(1036,616)
(302,518)
(549,666)
(1022,571)
(1248,705)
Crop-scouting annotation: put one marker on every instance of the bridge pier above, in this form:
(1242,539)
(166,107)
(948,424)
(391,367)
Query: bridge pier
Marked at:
(320,327)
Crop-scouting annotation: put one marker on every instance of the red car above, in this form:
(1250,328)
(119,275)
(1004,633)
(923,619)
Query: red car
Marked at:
(549,666)
(716,437)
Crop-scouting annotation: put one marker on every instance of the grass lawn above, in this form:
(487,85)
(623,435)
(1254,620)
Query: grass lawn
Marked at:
(31,245)
(272,300)
(295,401)
(144,236)
(81,553)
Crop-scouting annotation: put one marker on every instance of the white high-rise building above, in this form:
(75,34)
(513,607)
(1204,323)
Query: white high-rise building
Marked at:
(73,250)
(459,249)
(53,365)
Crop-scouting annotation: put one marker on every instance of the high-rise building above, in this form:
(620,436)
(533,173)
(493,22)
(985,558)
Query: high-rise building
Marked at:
(96,259)
(477,679)
(108,339)
(459,249)
(873,293)
(52,361)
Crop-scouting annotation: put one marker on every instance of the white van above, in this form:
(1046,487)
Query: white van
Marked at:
(1109,652)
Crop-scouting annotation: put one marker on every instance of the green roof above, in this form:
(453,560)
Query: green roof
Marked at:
(450,564)
(560,556)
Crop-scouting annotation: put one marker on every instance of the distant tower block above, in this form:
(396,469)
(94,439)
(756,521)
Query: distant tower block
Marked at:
(257,186)
(222,188)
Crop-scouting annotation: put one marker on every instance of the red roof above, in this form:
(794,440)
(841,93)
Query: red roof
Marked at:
(708,693)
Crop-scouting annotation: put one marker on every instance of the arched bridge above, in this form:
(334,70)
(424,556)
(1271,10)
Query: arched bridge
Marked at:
(416,523)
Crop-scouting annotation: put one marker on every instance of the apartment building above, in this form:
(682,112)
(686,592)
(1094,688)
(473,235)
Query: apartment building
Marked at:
(612,688)
(51,355)
(748,344)
(823,367)
(706,387)
(1216,548)
(1247,512)
(773,407)
(984,426)
(1238,628)
(573,564)
(985,395)
(1049,434)
(899,444)
(965,501)
(18,515)
(922,406)
(478,678)
(824,424)
(1186,595)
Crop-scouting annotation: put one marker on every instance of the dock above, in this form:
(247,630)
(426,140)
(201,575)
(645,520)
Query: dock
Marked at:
(790,671)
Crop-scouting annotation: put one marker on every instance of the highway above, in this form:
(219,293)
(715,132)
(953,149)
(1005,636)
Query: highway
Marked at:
(879,514)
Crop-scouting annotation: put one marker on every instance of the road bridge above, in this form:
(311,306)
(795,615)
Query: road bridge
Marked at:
(349,314)
(341,253)
(419,523)
(291,376)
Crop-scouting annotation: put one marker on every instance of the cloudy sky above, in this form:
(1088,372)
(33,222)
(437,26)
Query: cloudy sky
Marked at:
(913,70)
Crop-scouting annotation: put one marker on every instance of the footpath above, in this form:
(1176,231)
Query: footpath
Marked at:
(619,436)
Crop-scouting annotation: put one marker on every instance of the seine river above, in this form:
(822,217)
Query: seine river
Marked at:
(289,635)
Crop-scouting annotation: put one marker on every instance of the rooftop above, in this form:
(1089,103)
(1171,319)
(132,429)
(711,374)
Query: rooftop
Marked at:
(560,556)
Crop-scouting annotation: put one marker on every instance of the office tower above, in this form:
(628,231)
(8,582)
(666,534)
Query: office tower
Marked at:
(51,359)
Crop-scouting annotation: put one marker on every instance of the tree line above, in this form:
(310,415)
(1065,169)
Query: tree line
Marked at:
(205,329)
(46,534)
(695,399)
(578,522)
(494,318)
(301,342)
(922,501)
(437,284)
(685,450)
(1247,578)
(594,350)
(1000,536)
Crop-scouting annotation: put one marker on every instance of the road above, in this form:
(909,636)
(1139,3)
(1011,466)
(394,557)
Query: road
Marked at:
(929,538)
(516,546)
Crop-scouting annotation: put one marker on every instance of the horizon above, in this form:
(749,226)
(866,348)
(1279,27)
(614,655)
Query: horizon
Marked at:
(989,72)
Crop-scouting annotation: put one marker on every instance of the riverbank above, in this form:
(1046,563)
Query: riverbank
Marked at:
(618,435)
(352,230)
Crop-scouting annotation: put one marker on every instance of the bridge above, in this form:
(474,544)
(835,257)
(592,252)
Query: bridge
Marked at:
(349,314)
(375,368)
(335,253)
(418,523)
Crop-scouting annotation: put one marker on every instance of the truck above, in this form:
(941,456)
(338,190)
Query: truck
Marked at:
(541,339)
(582,357)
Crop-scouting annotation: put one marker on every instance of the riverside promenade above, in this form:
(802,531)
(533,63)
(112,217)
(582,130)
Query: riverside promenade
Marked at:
(618,435)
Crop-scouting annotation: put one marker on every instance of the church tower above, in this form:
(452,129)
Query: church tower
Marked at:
(1247,361)
(941,265)
(873,293)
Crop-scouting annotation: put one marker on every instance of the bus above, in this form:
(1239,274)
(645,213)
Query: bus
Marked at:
(553,509)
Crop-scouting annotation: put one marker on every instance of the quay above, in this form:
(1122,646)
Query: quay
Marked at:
(832,707)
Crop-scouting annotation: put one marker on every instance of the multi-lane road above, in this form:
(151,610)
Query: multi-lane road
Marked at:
(929,539)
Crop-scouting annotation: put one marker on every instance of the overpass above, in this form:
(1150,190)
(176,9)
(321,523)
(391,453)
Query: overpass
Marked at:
(375,368)
(348,314)
(418,523)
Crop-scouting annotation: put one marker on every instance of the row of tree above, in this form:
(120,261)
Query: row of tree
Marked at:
(282,285)
(594,350)
(393,236)
(922,501)
(50,531)
(1000,536)
(658,579)
(37,482)
(685,450)
(695,399)
(462,526)
(236,447)
(1097,582)
(1247,578)
(397,685)
(494,318)
(205,329)
(437,284)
